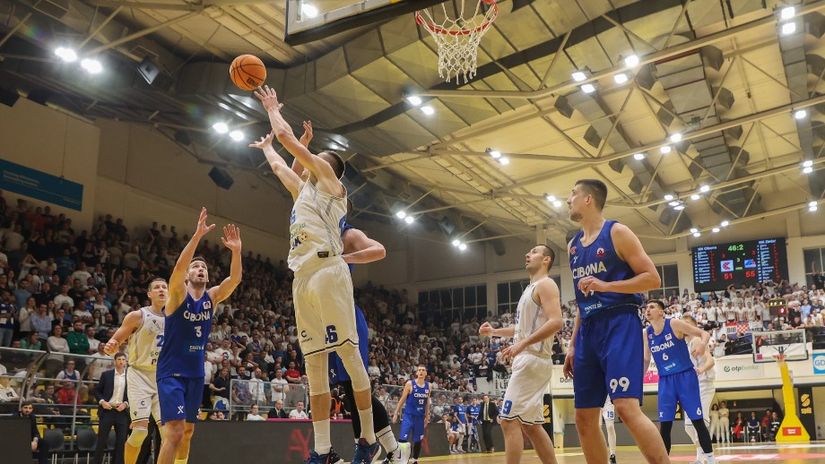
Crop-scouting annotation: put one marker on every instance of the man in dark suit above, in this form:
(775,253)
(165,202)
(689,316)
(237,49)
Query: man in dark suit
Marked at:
(113,409)
(278,411)
(489,414)
(40,450)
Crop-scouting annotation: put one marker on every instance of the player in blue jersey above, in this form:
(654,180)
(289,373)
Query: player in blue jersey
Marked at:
(678,382)
(473,410)
(610,271)
(460,411)
(188,322)
(415,399)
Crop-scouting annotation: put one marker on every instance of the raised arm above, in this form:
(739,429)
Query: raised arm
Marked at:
(283,132)
(177,281)
(231,239)
(360,249)
(305,139)
(290,180)
(548,297)
(131,323)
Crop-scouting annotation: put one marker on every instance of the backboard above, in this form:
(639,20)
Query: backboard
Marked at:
(792,344)
(309,20)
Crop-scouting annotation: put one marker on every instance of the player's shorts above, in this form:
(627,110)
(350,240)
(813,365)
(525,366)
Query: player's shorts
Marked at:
(142,390)
(707,390)
(337,372)
(412,428)
(608,358)
(180,398)
(524,397)
(682,388)
(324,310)
(608,411)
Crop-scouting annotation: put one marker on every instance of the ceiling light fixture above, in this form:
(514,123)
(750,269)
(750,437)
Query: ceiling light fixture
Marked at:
(807,163)
(693,230)
(668,197)
(695,196)
(401,214)
(697,234)
(66,54)
(787,13)
(788,28)
(504,160)
(704,189)
(665,149)
(579,76)
(807,170)
(494,153)
(588,88)
(309,10)
(715,230)
(414,100)
(674,203)
(800,114)
(462,246)
(631,61)
(550,198)
(638,156)
(812,206)
(456,242)
(557,204)
(236,135)
(725,223)
(620,78)
(676,138)
(679,208)
(91,66)
(220,127)
(428,110)
(409,219)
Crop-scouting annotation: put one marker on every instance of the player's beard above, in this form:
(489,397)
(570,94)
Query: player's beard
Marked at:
(575,217)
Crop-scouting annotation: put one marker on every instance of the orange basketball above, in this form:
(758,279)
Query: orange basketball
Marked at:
(247,72)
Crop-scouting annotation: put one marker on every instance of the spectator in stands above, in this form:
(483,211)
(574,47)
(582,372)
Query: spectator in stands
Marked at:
(278,411)
(56,342)
(254,415)
(69,372)
(7,317)
(41,322)
(100,363)
(754,428)
(78,343)
(66,394)
(292,374)
(27,309)
(40,449)
(776,422)
(33,342)
(8,394)
(298,412)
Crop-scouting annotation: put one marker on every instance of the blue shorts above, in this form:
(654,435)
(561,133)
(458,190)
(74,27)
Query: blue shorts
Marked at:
(180,398)
(682,388)
(411,425)
(337,373)
(608,358)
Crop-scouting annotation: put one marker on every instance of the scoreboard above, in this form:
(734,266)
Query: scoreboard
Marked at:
(716,267)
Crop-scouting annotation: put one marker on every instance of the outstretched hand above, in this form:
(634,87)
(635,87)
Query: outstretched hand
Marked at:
(307,137)
(265,141)
(232,237)
(202,228)
(268,98)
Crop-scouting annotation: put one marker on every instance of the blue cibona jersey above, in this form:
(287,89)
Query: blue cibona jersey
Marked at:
(416,403)
(599,259)
(670,353)
(185,335)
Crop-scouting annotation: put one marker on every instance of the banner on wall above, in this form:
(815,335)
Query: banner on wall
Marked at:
(40,185)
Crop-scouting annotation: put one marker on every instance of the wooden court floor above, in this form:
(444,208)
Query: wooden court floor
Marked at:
(755,453)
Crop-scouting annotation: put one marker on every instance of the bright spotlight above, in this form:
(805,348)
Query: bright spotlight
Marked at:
(695,197)
(462,246)
(557,204)
(428,110)
(220,127)
(579,76)
(91,65)
(631,61)
(807,170)
(66,54)
(588,88)
(673,203)
(409,219)
(704,189)
(807,163)
(414,100)
(693,230)
(638,156)
(725,223)
(676,138)
(456,242)
(668,197)
(787,13)
(665,149)
(550,198)
(697,234)
(715,230)
(504,160)
(236,135)
(800,114)
(620,78)
(495,154)
(679,208)
(309,10)
(788,28)
(401,214)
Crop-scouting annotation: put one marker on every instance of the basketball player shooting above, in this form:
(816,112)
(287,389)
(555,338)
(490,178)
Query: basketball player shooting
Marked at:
(144,329)
(322,288)
(189,312)
(538,318)
(610,270)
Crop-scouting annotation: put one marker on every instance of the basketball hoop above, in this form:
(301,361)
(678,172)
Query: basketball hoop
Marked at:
(458,38)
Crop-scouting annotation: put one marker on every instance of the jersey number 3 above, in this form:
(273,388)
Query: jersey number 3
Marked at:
(198,332)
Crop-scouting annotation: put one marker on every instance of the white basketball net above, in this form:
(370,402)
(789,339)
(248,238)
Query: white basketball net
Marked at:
(458,38)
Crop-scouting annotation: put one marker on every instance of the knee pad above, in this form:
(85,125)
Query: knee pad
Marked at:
(351,358)
(136,437)
(316,366)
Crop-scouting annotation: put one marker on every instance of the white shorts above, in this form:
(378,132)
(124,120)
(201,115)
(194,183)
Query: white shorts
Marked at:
(325,308)
(142,390)
(524,397)
(608,411)
(707,390)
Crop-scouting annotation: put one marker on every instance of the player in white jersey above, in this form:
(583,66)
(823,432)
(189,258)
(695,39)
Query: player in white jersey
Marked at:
(609,417)
(322,287)
(144,330)
(707,389)
(538,318)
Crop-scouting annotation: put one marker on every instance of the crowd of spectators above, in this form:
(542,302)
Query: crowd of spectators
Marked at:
(66,291)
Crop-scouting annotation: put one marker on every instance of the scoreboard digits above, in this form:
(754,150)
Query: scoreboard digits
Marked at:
(716,267)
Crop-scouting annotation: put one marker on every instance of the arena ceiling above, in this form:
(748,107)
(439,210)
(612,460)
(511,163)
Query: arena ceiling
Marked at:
(731,78)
